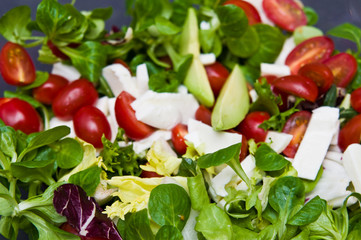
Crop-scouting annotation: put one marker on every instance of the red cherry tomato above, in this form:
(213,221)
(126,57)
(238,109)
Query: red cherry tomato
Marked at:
(250,11)
(55,50)
(244,148)
(204,115)
(356,100)
(178,133)
(315,49)
(286,14)
(72,97)
(296,125)
(298,86)
(350,133)
(319,73)
(126,119)
(120,61)
(48,90)
(250,126)
(20,115)
(16,65)
(66,227)
(217,76)
(90,124)
(343,67)
(148,174)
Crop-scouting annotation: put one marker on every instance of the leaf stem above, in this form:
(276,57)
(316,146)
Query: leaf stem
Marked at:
(236,166)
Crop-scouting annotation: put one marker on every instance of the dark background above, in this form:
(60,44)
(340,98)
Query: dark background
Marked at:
(331,13)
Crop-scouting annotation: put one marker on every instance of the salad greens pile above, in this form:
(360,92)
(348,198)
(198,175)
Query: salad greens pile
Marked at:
(46,177)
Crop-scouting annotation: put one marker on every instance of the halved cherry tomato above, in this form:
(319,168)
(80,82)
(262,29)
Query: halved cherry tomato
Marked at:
(319,73)
(356,99)
(286,14)
(217,76)
(16,65)
(72,97)
(296,125)
(68,228)
(316,49)
(127,120)
(178,133)
(350,133)
(20,115)
(250,11)
(343,67)
(148,174)
(48,90)
(90,124)
(204,115)
(298,86)
(250,126)
(120,61)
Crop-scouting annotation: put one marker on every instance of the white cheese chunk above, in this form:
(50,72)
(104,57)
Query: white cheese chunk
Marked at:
(141,145)
(55,122)
(165,110)
(352,162)
(278,70)
(253,94)
(258,5)
(316,141)
(207,58)
(206,140)
(128,34)
(334,156)
(189,231)
(142,79)
(119,79)
(102,105)
(66,71)
(288,46)
(278,140)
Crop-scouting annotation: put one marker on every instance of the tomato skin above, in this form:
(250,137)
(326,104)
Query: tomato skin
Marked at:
(316,49)
(286,14)
(350,133)
(343,67)
(148,174)
(16,65)
(204,115)
(72,97)
(217,76)
(250,11)
(90,124)
(319,73)
(298,86)
(296,125)
(56,51)
(178,133)
(244,148)
(127,120)
(48,90)
(20,115)
(356,99)
(68,228)
(250,126)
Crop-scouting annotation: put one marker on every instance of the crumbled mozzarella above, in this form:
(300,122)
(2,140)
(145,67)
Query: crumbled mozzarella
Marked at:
(141,145)
(253,94)
(55,122)
(352,162)
(316,141)
(207,58)
(288,46)
(278,140)
(165,110)
(128,34)
(119,79)
(278,70)
(142,79)
(258,5)
(206,140)
(334,156)
(102,105)
(66,71)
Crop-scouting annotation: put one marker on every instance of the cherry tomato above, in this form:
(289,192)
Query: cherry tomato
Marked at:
(217,76)
(250,11)
(204,115)
(286,14)
(48,90)
(16,65)
(148,174)
(127,120)
(319,73)
(20,115)
(250,126)
(350,133)
(316,49)
(68,228)
(298,86)
(56,51)
(90,124)
(178,133)
(356,99)
(72,97)
(343,67)
(244,148)
(296,125)
(120,61)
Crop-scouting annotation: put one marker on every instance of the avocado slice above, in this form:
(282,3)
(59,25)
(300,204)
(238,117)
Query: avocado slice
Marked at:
(232,104)
(196,79)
